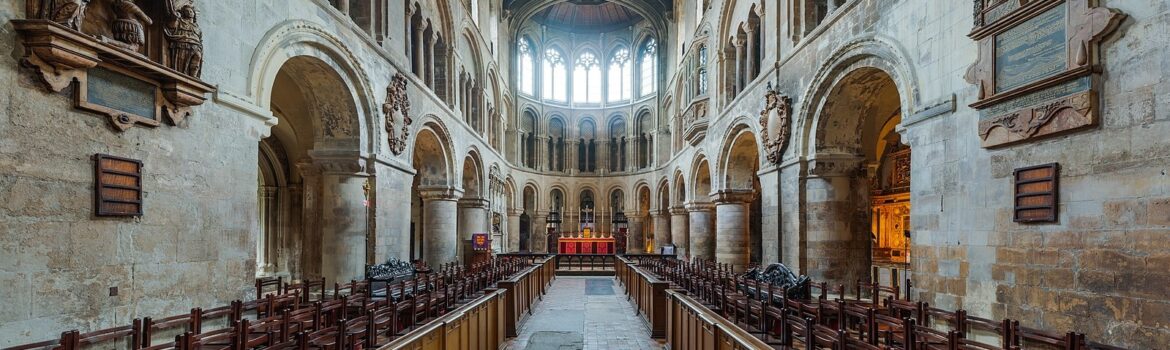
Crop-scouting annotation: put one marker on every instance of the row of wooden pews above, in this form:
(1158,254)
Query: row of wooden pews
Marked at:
(870,316)
(305,315)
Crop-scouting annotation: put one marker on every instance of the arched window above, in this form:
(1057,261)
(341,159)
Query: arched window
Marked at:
(620,73)
(525,51)
(702,70)
(649,57)
(555,76)
(587,79)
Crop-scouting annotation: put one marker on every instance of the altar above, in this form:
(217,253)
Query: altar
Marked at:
(570,245)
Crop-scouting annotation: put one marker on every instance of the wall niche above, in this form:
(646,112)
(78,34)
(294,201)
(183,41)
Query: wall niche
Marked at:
(134,61)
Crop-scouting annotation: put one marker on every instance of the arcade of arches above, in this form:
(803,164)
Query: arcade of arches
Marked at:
(850,140)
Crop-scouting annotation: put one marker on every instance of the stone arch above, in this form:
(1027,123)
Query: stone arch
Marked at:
(679,189)
(437,153)
(472,180)
(701,179)
(866,52)
(863,91)
(740,156)
(296,40)
(609,197)
(558,190)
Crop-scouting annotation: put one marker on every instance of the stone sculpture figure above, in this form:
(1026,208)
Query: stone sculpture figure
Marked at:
(397,111)
(69,13)
(129,24)
(185,40)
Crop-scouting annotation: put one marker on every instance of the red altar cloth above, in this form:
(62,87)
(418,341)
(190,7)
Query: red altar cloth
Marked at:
(585,245)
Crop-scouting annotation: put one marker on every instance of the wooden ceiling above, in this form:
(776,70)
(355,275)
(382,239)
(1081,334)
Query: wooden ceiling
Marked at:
(587,15)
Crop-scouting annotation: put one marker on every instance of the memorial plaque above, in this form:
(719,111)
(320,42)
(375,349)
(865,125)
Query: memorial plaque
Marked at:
(1038,67)
(125,98)
(1035,193)
(117,186)
(1031,51)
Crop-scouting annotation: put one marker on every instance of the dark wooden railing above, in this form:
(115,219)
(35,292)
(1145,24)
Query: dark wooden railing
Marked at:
(694,326)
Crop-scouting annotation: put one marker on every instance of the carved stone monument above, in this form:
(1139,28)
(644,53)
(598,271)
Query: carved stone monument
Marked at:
(1038,68)
(397,111)
(775,124)
(121,71)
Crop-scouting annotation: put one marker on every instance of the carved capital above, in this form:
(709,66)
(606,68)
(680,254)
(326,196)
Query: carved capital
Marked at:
(439,193)
(734,196)
(834,165)
(679,210)
(515,212)
(474,203)
(700,207)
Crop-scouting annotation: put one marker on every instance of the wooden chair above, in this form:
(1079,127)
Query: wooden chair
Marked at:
(1028,337)
(184,323)
(263,284)
(307,289)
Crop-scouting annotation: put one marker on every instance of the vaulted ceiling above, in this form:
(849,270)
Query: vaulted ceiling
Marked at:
(587,16)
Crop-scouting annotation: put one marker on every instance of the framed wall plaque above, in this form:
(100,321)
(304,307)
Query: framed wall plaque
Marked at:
(1038,69)
(123,96)
(117,186)
(1036,193)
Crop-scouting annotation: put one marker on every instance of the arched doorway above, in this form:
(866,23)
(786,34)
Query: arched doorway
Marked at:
(313,207)
(863,168)
(529,203)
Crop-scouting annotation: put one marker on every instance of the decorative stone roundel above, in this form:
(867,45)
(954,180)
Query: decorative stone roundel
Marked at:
(397,111)
(775,122)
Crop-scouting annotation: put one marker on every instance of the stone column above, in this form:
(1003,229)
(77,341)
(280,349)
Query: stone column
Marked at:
(750,72)
(513,230)
(418,53)
(702,229)
(602,156)
(679,230)
(635,243)
(538,243)
(661,228)
(306,262)
(343,6)
(343,224)
(739,65)
(472,217)
(541,153)
(571,156)
(731,227)
(266,246)
(440,235)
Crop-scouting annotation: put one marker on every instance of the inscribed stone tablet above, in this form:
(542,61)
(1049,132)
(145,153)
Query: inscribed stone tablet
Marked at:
(1031,51)
(120,92)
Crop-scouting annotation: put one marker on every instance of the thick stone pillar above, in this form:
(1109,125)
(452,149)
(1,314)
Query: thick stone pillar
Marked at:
(739,65)
(635,243)
(733,245)
(440,235)
(702,230)
(307,264)
(538,243)
(603,154)
(472,217)
(343,225)
(542,153)
(513,231)
(661,228)
(680,231)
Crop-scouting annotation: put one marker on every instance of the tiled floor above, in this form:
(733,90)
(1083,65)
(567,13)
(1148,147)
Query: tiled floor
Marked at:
(583,313)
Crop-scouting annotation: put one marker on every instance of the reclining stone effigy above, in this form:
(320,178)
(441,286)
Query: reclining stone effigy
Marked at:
(778,276)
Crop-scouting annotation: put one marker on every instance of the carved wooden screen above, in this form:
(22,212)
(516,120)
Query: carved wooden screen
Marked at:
(1036,193)
(118,186)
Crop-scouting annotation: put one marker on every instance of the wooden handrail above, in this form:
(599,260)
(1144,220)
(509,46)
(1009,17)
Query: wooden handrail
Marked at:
(455,316)
(728,333)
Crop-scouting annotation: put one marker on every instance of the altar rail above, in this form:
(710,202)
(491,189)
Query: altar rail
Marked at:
(647,292)
(694,326)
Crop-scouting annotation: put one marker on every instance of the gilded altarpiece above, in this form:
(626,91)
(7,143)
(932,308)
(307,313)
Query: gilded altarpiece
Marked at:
(890,206)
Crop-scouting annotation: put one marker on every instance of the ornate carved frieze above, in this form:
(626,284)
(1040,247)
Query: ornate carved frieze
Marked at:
(397,112)
(144,77)
(775,124)
(1038,69)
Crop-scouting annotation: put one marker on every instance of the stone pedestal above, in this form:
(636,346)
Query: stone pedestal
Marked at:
(440,235)
(513,238)
(679,230)
(472,217)
(702,230)
(732,228)
(661,228)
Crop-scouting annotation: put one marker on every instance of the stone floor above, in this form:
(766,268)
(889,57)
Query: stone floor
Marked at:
(583,313)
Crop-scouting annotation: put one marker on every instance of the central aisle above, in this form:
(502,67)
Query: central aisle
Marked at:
(583,313)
